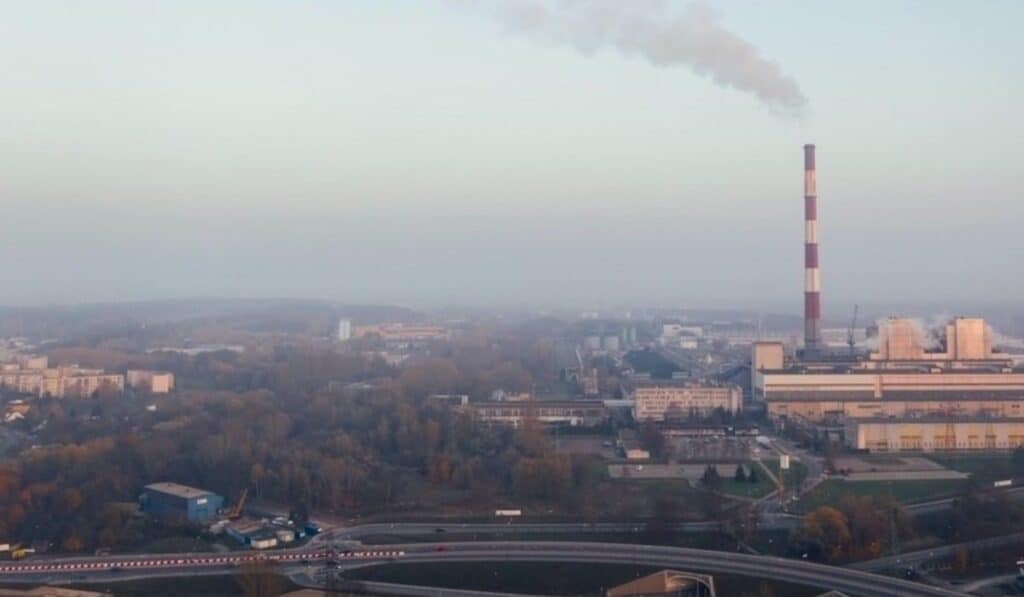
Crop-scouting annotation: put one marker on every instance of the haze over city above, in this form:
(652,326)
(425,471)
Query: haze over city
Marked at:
(490,153)
(597,298)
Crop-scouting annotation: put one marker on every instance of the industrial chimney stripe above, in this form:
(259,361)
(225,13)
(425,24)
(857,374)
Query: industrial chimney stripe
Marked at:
(812,276)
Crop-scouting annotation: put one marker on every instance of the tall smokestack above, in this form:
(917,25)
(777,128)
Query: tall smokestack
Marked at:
(812,278)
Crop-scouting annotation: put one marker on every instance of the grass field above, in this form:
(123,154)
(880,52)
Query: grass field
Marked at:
(831,492)
(985,468)
(763,487)
(791,478)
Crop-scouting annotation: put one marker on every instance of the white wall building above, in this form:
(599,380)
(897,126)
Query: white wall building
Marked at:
(344,330)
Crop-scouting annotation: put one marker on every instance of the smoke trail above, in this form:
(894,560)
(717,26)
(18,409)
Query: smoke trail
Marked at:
(655,31)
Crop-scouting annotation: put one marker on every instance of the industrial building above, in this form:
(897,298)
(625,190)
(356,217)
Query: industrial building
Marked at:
(172,501)
(939,388)
(668,400)
(959,376)
(934,433)
(578,413)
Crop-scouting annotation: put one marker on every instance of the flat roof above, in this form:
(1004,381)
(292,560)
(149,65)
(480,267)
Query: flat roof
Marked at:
(933,419)
(540,403)
(682,383)
(176,489)
(905,367)
(927,395)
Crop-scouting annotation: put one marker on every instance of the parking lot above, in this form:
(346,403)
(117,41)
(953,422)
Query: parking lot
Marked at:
(712,449)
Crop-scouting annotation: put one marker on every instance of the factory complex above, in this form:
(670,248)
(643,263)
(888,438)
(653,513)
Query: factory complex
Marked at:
(921,388)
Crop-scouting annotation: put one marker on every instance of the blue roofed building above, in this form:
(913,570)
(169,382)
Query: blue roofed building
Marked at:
(172,501)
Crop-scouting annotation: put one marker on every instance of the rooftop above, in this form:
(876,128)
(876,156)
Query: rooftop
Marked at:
(176,489)
(942,419)
(680,383)
(538,404)
(924,395)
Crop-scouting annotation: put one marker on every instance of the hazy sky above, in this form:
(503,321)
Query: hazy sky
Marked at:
(451,151)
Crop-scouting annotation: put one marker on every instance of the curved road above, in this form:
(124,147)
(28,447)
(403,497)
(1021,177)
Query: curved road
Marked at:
(799,572)
(298,562)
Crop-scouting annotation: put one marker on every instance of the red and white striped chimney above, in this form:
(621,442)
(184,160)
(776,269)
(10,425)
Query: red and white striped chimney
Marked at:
(812,277)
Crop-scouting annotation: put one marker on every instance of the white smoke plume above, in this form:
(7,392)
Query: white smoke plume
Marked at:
(658,31)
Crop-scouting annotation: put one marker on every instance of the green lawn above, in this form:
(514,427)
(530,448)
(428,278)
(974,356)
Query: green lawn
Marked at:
(791,478)
(985,468)
(832,491)
(763,487)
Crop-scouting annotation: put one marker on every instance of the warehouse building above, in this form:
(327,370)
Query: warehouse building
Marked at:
(931,434)
(172,501)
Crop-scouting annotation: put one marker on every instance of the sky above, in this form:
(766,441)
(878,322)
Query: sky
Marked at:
(498,152)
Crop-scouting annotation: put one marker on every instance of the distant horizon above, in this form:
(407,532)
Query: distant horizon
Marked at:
(543,154)
(842,318)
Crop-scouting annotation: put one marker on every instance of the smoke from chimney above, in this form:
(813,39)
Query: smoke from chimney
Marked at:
(651,29)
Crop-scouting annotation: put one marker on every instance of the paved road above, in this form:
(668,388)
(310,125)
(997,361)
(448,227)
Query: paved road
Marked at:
(984,583)
(795,571)
(915,558)
(298,562)
(438,530)
(154,565)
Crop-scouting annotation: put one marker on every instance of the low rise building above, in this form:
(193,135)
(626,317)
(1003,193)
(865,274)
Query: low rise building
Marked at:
(253,533)
(400,333)
(450,400)
(929,434)
(59,382)
(674,400)
(154,382)
(173,501)
(576,413)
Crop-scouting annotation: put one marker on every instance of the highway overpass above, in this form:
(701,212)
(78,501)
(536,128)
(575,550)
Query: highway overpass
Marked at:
(300,562)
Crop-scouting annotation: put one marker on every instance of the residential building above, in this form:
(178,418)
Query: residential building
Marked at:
(578,413)
(344,330)
(400,333)
(154,382)
(59,382)
(667,400)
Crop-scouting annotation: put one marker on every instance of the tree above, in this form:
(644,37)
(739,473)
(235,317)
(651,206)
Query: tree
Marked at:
(743,522)
(740,476)
(73,543)
(828,528)
(961,561)
(874,521)
(710,478)
(664,516)
(1017,461)
(753,477)
(261,578)
(652,440)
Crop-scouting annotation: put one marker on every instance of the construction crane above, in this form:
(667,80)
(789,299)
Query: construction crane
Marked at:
(236,512)
(850,340)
